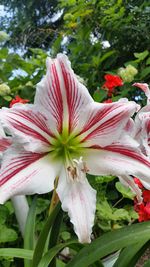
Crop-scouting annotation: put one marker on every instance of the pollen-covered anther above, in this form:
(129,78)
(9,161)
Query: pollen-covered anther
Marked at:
(72,171)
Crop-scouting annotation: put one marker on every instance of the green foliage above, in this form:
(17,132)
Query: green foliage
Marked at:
(147,264)
(81,32)
(125,191)
(111,242)
(21,75)
(7,234)
(33,26)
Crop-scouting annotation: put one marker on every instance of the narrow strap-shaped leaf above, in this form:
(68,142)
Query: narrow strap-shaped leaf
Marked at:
(29,237)
(47,258)
(139,254)
(127,254)
(16,253)
(55,233)
(98,264)
(110,242)
(38,252)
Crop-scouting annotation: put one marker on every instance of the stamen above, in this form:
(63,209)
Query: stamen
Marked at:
(72,171)
(77,169)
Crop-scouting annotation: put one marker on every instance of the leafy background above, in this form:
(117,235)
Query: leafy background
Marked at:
(99,37)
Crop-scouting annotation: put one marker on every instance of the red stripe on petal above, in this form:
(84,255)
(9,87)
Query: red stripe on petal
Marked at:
(55,97)
(72,95)
(17,164)
(76,94)
(4,144)
(97,115)
(129,153)
(104,120)
(36,118)
(30,123)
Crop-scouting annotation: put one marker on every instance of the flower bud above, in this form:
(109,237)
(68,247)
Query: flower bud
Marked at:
(131,70)
(4,89)
(128,73)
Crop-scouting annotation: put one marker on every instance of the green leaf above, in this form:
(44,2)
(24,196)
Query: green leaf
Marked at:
(106,55)
(145,72)
(3,53)
(127,254)
(141,56)
(47,258)
(43,237)
(121,214)
(65,235)
(7,234)
(42,204)
(104,210)
(147,264)
(99,95)
(16,253)
(148,61)
(125,191)
(29,238)
(104,179)
(3,214)
(7,98)
(111,242)
(60,263)
(55,233)
(139,254)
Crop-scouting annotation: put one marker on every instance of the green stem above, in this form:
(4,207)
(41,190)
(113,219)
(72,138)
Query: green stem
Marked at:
(117,202)
(54,234)
(55,198)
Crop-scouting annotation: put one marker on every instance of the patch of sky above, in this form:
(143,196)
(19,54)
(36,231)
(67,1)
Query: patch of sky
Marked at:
(18,72)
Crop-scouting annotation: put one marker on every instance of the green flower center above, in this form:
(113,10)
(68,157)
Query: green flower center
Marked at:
(67,146)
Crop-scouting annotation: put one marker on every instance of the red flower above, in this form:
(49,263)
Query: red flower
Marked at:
(18,99)
(109,100)
(143,211)
(138,182)
(112,81)
(147,209)
(146,195)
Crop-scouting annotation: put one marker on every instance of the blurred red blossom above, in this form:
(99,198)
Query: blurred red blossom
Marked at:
(146,196)
(138,182)
(109,100)
(112,81)
(142,209)
(18,99)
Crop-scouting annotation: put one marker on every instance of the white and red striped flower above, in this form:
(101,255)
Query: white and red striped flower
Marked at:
(66,134)
(142,122)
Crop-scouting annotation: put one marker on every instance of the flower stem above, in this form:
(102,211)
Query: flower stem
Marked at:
(117,202)
(55,198)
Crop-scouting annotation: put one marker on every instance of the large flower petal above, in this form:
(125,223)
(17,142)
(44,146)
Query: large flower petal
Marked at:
(5,143)
(30,127)
(25,173)
(79,200)
(142,129)
(61,93)
(103,123)
(120,159)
